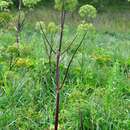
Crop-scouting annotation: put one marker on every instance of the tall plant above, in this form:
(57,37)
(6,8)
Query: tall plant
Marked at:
(86,12)
(4,4)
(20,20)
(21,16)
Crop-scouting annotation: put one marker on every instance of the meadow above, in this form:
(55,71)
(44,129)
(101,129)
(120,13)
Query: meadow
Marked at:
(96,94)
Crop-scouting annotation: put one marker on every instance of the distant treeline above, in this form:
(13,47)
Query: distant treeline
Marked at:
(97,3)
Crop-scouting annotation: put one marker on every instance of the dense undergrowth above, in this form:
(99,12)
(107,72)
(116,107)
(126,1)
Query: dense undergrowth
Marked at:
(96,94)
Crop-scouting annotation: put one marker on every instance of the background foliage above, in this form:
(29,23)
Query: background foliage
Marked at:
(96,94)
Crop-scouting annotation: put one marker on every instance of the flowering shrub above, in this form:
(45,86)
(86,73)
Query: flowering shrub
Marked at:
(24,62)
(30,3)
(101,56)
(13,56)
(84,27)
(12,49)
(87,12)
(40,24)
(52,27)
(5,17)
(4,4)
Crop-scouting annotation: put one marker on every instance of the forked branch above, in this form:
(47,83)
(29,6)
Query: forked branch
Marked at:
(71,43)
(66,73)
(48,42)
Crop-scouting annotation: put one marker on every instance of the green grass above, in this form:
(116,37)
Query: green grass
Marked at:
(97,87)
(112,19)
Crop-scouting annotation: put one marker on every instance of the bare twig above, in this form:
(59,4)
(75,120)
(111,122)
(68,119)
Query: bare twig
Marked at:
(66,73)
(48,42)
(70,44)
(18,24)
(22,23)
(50,60)
(62,28)
(46,48)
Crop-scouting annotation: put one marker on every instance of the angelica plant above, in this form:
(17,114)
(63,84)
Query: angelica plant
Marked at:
(4,5)
(64,6)
(21,16)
